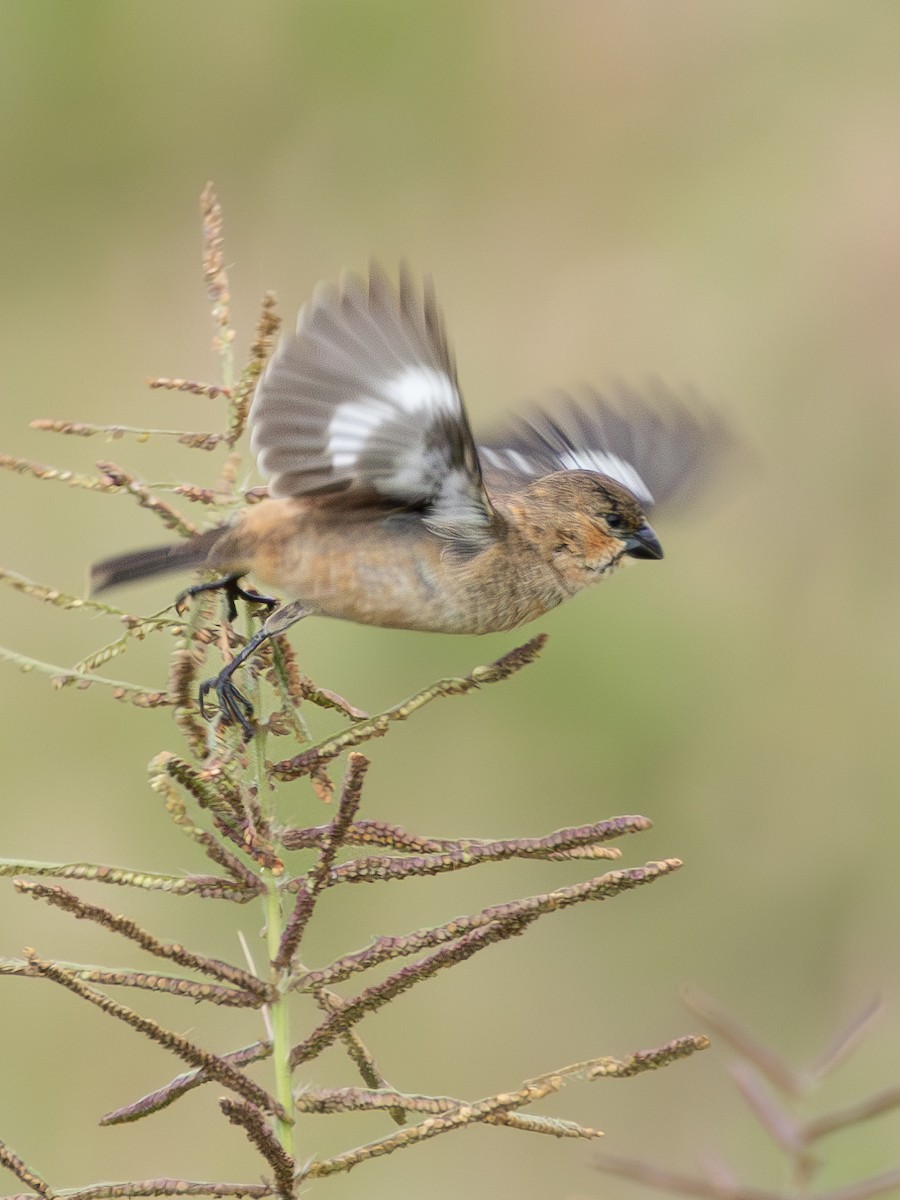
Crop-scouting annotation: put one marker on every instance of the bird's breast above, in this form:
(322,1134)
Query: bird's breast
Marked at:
(392,572)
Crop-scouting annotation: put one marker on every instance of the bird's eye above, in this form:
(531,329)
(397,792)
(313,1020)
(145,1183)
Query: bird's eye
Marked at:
(615,520)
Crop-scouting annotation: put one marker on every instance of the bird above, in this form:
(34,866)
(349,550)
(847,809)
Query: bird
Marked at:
(383,509)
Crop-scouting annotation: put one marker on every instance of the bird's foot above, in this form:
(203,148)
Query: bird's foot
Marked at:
(234,707)
(231,586)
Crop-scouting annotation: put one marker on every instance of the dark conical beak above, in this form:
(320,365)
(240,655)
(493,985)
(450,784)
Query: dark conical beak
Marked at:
(643,543)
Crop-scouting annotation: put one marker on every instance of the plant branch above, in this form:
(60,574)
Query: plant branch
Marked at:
(363,731)
(12,1162)
(125,927)
(600,888)
(217,1067)
(162,1097)
(320,875)
(253,1123)
(208,886)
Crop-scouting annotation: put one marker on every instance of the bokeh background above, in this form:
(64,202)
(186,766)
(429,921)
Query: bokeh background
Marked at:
(704,192)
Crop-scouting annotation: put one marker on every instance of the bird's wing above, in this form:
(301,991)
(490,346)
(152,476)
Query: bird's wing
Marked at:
(361,404)
(660,448)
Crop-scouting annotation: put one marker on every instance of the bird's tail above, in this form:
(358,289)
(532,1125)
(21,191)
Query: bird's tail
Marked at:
(160,560)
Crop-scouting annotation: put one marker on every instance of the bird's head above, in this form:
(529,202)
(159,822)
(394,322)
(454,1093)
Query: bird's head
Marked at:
(588,525)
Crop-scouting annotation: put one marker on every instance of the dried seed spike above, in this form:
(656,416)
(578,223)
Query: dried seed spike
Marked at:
(197,441)
(217,1067)
(385,948)
(254,1124)
(182,1084)
(188,657)
(557,845)
(65,676)
(322,784)
(27,466)
(317,878)
(132,1189)
(175,985)
(211,786)
(110,651)
(225,889)
(378,726)
(554,1126)
(60,897)
(266,328)
(285,677)
(11,1160)
(354,1099)
(373,998)
(201,495)
(641,1060)
(213,849)
(464,855)
(433,1125)
(511,662)
(129,483)
(50,595)
(359,1054)
(216,279)
(234,812)
(212,390)
(213,241)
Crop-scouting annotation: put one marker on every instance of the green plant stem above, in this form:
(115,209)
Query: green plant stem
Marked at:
(280,1018)
(279,1014)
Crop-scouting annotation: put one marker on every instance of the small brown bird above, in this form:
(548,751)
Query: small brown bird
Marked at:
(384,510)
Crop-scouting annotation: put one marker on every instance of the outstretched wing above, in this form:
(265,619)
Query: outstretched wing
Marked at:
(362,403)
(661,449)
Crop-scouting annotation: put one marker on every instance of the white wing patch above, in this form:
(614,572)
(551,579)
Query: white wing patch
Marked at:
(362,404)
(354,425)
(504,459)
(351,429)
(417,388)
(609,464)
(569,459)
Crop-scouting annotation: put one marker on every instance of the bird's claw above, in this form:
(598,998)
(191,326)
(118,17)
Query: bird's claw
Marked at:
(231,586)
(234,707)
(269,602)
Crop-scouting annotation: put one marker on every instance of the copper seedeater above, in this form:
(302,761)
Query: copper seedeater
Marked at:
(384,510)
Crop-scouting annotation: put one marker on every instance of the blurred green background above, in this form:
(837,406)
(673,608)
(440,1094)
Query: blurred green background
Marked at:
(707,192)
